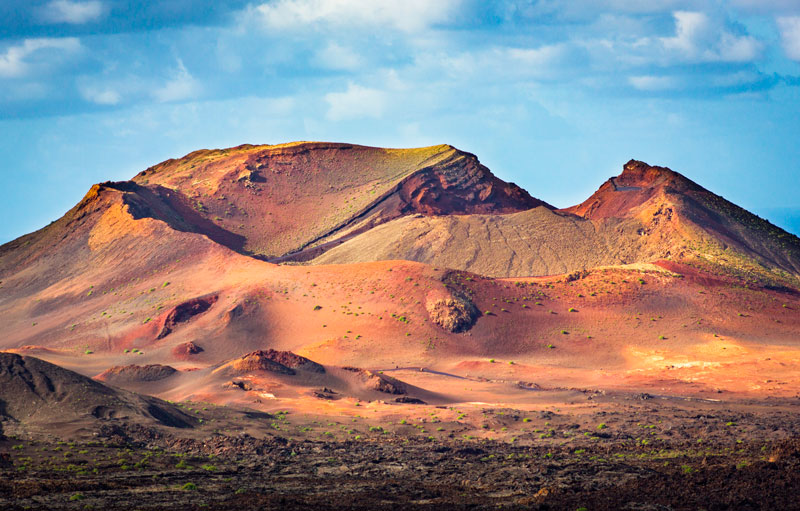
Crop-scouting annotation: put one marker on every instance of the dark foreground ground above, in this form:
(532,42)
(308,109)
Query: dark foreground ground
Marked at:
(711,459)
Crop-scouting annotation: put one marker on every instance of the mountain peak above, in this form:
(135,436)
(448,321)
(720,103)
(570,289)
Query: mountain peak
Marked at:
(638,183)
(639,174)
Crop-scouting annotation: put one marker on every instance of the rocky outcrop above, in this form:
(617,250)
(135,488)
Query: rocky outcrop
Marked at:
(454,314)
(379,381)
(184,312)
(258,361)
(186,350)
(294,361)
(136,373)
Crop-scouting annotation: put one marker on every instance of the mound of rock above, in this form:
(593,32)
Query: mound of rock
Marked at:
(136,373)
(379,381)
(258,361)
(454,314)
(289,359)
(185,350)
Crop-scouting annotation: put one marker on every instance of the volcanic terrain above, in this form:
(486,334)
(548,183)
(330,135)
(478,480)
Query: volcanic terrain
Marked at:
(323,300)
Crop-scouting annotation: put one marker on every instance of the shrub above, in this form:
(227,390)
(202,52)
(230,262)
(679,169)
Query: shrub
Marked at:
(189,487)
(77,496)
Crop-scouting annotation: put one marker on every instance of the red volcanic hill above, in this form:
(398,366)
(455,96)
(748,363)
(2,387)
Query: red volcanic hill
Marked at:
(643,215)
(688,220)
(271,201)
(394,258)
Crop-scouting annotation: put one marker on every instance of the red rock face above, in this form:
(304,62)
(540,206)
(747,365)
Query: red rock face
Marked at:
(461,185)
(184,312)
(638,183)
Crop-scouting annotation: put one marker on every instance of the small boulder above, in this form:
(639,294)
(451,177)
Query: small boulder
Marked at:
(454,314)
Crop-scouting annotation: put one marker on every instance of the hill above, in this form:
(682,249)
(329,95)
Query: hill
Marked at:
(38,396)
(135,280)
(643,215)
(273,201)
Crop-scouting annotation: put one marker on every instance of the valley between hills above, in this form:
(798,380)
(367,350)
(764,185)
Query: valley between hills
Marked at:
(340,326)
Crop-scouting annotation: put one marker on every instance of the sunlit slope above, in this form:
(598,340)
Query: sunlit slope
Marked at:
(282,199)
(683,220)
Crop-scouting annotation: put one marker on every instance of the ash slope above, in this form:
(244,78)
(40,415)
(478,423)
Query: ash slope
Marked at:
(282,201)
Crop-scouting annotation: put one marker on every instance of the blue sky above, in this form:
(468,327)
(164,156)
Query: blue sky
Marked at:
(553,95)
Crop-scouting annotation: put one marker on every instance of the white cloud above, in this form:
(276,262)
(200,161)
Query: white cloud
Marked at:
(537,58)
(334,56)
(790,35)
(698,37)
(102,96)
(356,102)
(405,15)
(504,63)
(16,61)
(182,86)
(652,83)
(76,13)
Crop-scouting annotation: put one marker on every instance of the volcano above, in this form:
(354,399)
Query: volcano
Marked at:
(356,256)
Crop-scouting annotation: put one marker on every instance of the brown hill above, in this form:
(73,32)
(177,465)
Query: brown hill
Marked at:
(37,395)
(687,221)
(272,201)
